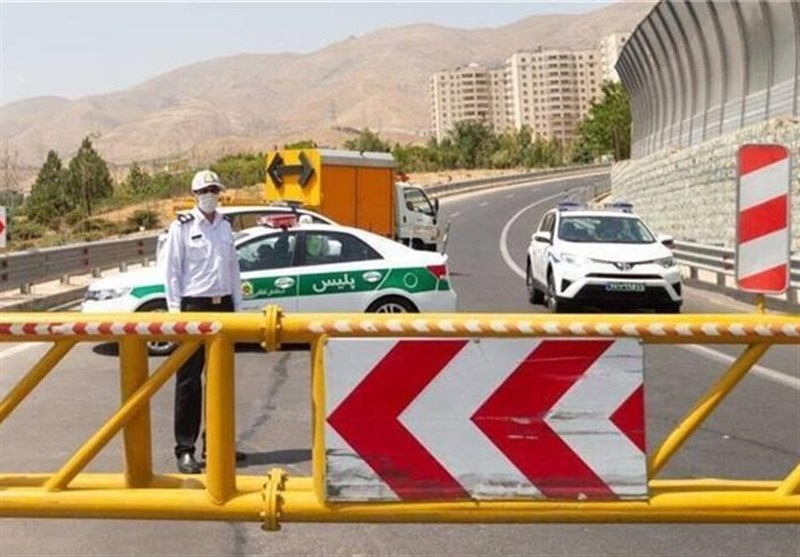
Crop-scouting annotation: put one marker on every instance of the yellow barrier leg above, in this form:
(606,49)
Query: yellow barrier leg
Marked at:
(706,406)
(34,377)
(791,485)
(133,405)
(221,425)
(136,435)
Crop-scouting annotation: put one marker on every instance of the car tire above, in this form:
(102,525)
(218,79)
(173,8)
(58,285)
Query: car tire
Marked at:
(535,296)
(392,304)
(155,348)
(552,301)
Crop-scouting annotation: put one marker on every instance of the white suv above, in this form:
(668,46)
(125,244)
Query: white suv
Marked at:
(601,258)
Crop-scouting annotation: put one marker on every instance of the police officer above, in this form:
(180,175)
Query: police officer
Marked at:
(202,274)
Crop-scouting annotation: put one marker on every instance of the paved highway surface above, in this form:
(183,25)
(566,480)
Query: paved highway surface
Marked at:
(754,434)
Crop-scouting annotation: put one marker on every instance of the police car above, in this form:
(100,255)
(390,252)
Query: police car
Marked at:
(603,257)
(246,216)
(304,267)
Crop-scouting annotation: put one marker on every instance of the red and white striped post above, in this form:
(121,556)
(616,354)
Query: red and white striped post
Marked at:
(762,221)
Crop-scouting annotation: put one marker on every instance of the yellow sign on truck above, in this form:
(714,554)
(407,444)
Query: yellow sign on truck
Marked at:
(359,189)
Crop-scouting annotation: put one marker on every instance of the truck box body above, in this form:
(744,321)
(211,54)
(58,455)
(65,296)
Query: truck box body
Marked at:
(352,188)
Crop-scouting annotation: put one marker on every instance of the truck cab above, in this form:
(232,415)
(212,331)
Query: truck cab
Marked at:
(416,217)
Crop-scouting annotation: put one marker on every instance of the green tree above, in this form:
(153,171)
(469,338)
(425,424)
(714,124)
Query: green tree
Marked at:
(244,169)
(367,140)
(49,200)
(303,144)
(607,127)
(474,142)
(88,177)
(138,181)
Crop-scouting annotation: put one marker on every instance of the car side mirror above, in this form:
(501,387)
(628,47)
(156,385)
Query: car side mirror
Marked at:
(544,237)
(667,240)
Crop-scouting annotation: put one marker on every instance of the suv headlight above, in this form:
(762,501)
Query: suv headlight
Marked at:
(666,262)
(575,259)
(106,293)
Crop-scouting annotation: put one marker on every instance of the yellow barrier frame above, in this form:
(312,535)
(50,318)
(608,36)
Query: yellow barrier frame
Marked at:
(221,494)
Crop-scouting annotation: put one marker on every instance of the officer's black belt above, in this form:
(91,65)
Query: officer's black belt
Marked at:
(212,300)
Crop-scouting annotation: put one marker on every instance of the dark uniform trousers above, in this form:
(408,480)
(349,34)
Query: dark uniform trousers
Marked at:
(189,380)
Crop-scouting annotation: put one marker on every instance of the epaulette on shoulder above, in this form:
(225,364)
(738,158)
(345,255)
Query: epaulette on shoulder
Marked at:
(228,218)
(183,218)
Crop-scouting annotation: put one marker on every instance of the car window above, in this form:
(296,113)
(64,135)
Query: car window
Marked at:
(604,229)
(547,223)
(268,252)
(323,248)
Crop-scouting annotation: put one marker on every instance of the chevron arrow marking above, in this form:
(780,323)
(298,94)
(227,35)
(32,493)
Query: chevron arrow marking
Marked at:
(438,419)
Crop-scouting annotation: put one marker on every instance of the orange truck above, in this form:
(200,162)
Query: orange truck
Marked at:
(359,189)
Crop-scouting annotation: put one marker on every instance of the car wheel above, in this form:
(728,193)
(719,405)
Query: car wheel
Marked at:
(552,302)
(392,304)
(158,348)
(535,296)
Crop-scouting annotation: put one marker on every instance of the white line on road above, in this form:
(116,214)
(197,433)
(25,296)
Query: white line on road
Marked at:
(483,204)
(454,215)
(509,196)
(19,348)
(765,372)
(504,234)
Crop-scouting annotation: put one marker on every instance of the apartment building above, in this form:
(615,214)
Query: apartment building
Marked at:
(550,90)
(471,93)
(610,49)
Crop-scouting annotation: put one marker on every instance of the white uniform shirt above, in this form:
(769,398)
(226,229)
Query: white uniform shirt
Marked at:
(200,260)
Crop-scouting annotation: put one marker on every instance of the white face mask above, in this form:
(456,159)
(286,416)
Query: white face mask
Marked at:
(207,202)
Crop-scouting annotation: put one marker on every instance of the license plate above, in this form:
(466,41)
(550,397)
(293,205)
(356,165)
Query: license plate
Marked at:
(625,287)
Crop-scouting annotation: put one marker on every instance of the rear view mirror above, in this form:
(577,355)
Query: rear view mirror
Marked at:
(541,236)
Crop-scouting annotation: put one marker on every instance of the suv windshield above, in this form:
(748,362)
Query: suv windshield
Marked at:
(604,229)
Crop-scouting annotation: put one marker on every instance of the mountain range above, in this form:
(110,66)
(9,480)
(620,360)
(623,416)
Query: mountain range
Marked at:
(251,102)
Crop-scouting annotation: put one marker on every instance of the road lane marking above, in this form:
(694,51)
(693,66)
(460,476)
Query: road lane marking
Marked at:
(765,372)
(483,204)
(504,234)
(19,348)
(762,371)
(454,215)
(509,196)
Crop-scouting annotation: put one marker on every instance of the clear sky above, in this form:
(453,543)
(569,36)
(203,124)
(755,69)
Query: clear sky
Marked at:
(72,49)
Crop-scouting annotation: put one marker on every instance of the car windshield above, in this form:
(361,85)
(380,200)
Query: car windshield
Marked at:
(416,200)
(604,229)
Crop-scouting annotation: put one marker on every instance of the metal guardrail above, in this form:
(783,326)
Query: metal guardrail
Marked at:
(442,190)
(24,269)
(721,262)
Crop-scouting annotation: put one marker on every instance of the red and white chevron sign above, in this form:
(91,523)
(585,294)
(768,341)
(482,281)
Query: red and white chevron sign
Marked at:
(435,419)
(762,229)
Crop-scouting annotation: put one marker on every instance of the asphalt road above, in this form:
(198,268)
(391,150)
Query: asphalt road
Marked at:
(754,434)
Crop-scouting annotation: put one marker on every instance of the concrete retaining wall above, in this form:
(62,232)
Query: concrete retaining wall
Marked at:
(690,193)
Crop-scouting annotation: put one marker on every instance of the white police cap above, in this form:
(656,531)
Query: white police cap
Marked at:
(206,178)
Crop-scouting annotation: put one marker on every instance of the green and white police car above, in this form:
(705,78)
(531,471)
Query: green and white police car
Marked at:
(304,268)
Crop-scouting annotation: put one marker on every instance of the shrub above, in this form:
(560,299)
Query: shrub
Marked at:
(25,230)
(97,225)
(143,218)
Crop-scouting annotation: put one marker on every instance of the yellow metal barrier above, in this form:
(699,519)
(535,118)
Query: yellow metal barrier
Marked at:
(220,494)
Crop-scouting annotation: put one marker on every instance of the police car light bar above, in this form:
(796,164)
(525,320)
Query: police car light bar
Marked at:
(278,221)
(570,206)
(623,206)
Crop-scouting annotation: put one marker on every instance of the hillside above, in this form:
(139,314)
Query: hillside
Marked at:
(253,101)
